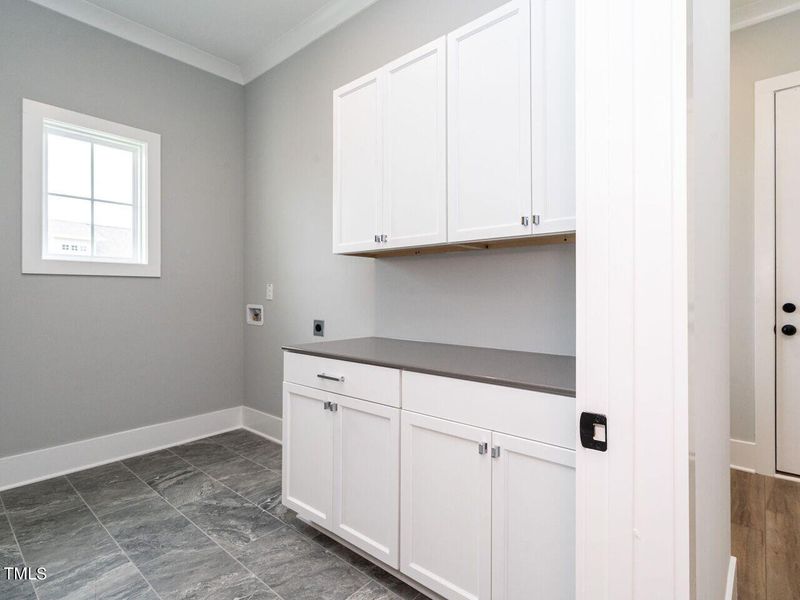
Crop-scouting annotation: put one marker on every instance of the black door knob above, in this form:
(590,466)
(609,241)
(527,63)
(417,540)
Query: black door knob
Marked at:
(788,330)
(789,307)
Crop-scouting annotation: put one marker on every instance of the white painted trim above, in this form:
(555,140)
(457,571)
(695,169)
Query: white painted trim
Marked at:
(264,424)
(760,11)
(632,299)
(730,587)
(743,455)
(327,18)
(34,115)
(764,265)
(21,469)
(139,34)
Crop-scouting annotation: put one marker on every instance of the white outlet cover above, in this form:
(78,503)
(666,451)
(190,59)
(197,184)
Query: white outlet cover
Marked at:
(254,314)
(270,291)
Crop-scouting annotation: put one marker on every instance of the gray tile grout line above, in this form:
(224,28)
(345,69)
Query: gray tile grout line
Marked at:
(121,549)
(201,529)
(16,541)
(310,539)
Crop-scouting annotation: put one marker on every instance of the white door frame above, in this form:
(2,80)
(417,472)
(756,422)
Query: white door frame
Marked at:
(632,321)
(764,274)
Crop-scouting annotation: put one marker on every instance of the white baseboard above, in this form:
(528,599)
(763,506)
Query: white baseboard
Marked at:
(743,455)
(21,469)
(730,588)
(262,423)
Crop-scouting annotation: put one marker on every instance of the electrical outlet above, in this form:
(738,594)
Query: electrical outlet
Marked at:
(270,291)
(319,328)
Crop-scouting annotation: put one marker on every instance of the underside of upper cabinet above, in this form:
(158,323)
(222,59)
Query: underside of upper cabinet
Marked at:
(518,242)
(465,143)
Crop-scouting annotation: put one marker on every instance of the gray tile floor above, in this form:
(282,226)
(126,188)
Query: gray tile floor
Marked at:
(201,521)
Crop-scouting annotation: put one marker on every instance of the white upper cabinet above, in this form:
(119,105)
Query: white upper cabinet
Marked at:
(469,138)
(415,148)
(489,125)
(553,110)
(357,165)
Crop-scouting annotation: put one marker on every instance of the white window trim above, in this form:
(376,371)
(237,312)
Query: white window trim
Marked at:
(33,118)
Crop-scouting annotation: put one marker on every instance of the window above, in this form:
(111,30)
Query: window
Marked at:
(91,197)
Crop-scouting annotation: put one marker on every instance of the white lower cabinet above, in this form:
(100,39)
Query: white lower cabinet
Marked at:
(342,467)
(485,515)
(366,488)
(307,455)
(464,510)
(445,506)
(533,520)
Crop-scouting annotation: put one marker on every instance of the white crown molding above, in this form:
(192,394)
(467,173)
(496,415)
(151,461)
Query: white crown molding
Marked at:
(760,11)
(329,17)
(112,23)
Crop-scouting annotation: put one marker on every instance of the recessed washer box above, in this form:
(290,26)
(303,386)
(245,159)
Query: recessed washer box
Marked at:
(254,314)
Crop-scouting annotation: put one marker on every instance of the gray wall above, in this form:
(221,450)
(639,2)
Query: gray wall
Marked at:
(86,356)
(757,52)
(522,299)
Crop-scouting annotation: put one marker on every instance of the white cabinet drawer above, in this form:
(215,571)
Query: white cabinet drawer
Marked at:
(368,382)
(527,414)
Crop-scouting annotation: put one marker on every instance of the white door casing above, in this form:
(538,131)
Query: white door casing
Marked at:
(765,276)
(631,267)
(787,279)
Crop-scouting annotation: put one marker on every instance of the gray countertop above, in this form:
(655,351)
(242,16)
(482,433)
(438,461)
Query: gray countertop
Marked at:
(550,373)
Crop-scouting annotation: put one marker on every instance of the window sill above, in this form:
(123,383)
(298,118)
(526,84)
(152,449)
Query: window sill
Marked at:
(98,269)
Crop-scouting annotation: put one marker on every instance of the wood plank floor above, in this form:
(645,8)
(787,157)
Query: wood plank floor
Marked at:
(765,536)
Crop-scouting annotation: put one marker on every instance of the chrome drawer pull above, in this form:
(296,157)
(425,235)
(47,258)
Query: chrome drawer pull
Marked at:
(330,377)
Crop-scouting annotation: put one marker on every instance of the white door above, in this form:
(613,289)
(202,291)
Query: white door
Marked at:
(553,114)
(415,146)
(445,506)
(787,279)
(533,520)
(357,165)
(307,458)
(366,497)
(489,125)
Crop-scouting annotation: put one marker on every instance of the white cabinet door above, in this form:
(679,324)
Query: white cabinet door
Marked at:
(445,507)
(415,148)
(553,113)
(307,457)
(357,165)
(533,520)
(489,125)
(367,476)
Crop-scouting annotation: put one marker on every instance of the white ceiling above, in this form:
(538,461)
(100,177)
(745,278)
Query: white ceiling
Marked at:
(750,12)
(241,39)
(235,39)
